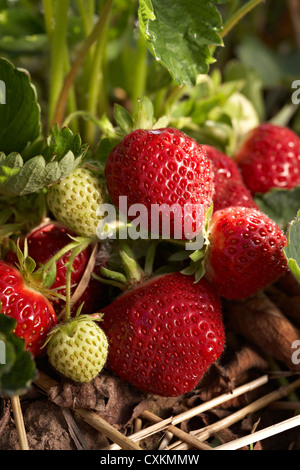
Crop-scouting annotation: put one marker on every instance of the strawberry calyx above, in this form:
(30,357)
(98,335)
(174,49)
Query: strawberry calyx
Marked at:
(197,259)
(42,278)
(69,326)
(133,274)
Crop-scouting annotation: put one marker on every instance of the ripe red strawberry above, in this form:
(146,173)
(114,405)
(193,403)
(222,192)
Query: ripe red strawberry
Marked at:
(164,334)
(270,158)
(230,189)
(32,311)
(245,254)
(45,242)
(164,166)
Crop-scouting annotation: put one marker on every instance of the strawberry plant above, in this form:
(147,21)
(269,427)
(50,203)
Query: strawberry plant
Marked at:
(149,205)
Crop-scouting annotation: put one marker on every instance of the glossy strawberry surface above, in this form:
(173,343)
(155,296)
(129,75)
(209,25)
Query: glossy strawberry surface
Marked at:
(33,313)
(230,189)
(270,158)
(164,334)
(163,166)
(245,253)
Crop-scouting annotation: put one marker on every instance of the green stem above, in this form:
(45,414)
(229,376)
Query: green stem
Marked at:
(149,261)
(140,72)
(48,15)
(57,27)
(81,114)
(175,94)
(95,85)
(86,13)
(84,242)
(69,80)
(72,102)
(238,15)
(68,285)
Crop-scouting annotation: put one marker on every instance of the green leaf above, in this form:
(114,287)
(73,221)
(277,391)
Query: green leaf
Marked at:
(33,175)
(255,54)
(21,214)
(17,368)
(62,141)
(20,115)
(34,44)
(179,34)
(281,205)
(252,88)
(292,251)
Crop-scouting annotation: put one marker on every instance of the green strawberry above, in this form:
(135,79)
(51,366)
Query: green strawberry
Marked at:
(78,349)
(75,199)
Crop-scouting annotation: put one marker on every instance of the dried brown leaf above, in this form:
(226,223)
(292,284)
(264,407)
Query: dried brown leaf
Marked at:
(261,322)
(288,304)
(112,398)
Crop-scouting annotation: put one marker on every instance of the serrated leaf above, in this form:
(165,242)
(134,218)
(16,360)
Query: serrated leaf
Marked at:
(35,174)
(20,116)
(179,34)
(292,250)
(17,369)
(21,214)
(62,141)
(281,205)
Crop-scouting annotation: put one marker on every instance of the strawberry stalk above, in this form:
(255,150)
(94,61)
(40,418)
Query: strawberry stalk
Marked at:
(78,241)
(57,14)
(95,83)
(77,64)
(134,273)
(238,15)
(76,251)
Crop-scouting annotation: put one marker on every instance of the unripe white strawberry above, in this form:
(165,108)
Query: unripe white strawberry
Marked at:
(78,349)
(74,201)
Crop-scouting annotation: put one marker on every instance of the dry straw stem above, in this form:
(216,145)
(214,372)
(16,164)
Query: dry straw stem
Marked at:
(205,433)
(162,425)
(188,438)
(45,383)
(19,422)
(262,434)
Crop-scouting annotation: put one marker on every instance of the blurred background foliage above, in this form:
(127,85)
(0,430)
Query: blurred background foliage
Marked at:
(263,50)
